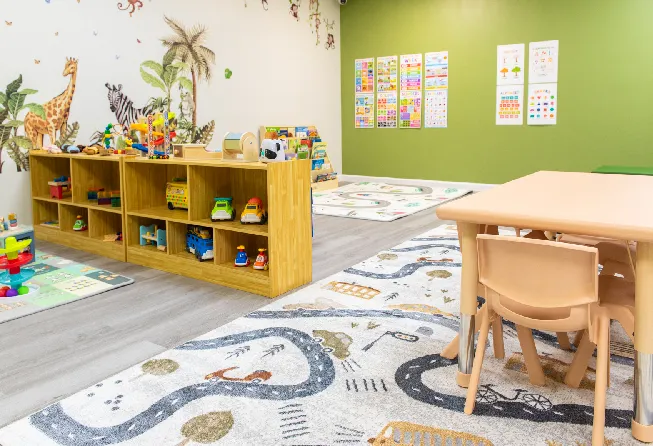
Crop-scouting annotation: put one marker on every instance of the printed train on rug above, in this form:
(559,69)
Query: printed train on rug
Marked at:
(333,364)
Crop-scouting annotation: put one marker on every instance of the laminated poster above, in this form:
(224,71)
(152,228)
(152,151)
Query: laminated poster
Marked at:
(510,104)
(386,73)
(435,109)
(411,72)
(410,110)
(364,75)
(364,111)
(510,64)
(386,110)
(542,104)
(543,62)
(436,71)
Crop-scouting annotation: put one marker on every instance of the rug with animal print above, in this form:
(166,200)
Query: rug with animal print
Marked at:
(333,364)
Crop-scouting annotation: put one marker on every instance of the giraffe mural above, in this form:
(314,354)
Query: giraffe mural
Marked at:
(57,111)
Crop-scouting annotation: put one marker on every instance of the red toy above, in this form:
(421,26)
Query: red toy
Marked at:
(59,187)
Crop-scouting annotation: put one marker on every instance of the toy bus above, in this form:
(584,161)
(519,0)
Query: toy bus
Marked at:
(177,194)
(199,243)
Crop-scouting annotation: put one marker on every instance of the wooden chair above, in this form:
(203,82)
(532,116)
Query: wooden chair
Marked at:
(401,433)
(517,275)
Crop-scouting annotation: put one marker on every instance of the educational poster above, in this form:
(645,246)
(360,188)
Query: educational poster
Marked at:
(410,110)
(364,75)
(435,109)
(410,81)
(542,104)
(510,104)
(411,72)
(543,62)
(386,73)
(436,71)
(364,111)
(510,64)
(386,110)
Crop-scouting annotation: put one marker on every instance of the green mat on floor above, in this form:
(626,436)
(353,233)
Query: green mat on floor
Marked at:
(624,170)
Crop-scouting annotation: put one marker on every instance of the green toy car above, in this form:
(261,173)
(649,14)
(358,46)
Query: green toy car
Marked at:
(222,210)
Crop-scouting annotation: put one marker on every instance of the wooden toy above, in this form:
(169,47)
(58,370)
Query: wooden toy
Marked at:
(240,147)
(115,198)
(151,235)
(104,198)
(194,152)
(261,262)
(92,192)
(241,257)
(13,221)
(13,257)
(254,212)
(60,187)
(177,194)
(199,243)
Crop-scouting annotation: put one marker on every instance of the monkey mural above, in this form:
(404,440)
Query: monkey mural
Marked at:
(294,10)
(133,4)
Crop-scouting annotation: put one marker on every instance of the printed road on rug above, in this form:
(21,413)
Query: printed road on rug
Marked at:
(58,281)
(332,364)
(380,201)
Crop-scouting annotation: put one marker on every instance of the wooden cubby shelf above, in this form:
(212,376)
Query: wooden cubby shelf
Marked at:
(283,187)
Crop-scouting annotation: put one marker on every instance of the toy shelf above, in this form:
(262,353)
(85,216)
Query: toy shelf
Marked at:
(84,171)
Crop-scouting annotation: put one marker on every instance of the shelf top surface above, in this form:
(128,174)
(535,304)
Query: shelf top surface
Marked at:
(199,162)
(81,156)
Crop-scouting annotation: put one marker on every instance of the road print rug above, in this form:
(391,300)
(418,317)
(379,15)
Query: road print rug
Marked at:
(381,201)
(332,364)
(58,281)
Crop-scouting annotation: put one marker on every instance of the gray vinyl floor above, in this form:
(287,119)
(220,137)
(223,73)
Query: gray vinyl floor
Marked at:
(49,355)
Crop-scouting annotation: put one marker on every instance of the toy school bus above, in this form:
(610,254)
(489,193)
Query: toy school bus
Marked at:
(177,194)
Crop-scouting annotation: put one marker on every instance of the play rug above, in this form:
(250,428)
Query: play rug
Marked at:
(331,365)
(381,201)
(59,281)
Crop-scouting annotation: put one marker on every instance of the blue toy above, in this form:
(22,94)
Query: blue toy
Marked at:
(151,235)
(241,257)
(199,243)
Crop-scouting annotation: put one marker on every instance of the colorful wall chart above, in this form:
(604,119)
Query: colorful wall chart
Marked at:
(436,84)
(510,64)
(510,101)
(364,75)
(543,62)
(410,81)
(386,100)
(542,104)
(364,111)
(386,110)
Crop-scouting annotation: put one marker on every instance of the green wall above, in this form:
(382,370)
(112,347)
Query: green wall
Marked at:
(605,86)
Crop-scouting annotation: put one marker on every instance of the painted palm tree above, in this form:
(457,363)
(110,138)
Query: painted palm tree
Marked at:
(187,46)
(165,76)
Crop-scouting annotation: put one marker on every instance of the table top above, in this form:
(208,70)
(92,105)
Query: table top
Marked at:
(615,206)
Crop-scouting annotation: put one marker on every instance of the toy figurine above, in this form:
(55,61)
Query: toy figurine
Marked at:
(241,257)
(254,212)
(273,150)
(261,260)
(13,221)
(80,224)
(108,136)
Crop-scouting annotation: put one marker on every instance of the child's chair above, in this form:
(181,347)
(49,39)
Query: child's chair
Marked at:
(546,286)
(401,433)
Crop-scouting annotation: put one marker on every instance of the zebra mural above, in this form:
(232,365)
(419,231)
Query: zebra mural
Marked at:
(123,107)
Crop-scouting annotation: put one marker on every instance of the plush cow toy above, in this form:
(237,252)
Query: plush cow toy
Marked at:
(273,150)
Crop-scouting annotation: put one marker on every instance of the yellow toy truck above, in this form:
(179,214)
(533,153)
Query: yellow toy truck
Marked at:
(177,194)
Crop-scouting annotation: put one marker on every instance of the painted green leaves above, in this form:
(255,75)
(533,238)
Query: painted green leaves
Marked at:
(207,428)
(227,73)
(160,367)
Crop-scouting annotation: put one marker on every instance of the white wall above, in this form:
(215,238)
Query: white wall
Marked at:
(280,76)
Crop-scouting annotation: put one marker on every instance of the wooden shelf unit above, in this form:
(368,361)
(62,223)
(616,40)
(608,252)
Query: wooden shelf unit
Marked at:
(84,172)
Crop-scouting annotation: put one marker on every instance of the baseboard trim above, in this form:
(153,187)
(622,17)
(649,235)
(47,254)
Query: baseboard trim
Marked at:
(476,187)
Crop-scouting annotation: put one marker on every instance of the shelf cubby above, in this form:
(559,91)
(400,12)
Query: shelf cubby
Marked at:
(44,211)
(145,185)
(45,169)
(87,172)
(68,215)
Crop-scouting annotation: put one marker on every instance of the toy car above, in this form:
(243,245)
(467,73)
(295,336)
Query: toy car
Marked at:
(177,194)
(241,257)
(254,212)
(261,262)
(222,210)
(80,224)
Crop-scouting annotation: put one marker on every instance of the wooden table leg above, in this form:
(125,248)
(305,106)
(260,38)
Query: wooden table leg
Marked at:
(468,303)
(642,423)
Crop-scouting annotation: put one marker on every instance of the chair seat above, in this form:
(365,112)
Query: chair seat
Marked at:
(616,291)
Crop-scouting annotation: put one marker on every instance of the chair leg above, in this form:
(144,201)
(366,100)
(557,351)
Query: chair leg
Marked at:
(581,360)
(451,350)
(478,365)
(602,362)
(492,230)
(563,340)
(532,361)
(578,337)
(497,338)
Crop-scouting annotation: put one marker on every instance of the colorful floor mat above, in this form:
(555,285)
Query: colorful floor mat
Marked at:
(59,281)
(380,201)
(332,364)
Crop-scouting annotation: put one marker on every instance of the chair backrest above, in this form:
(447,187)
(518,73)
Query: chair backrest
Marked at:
(538,273)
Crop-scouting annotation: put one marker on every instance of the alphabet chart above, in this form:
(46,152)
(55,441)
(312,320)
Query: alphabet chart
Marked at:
(386,110)
(510,104)
(364,75)
(410,103)
(364,111)
(542,104)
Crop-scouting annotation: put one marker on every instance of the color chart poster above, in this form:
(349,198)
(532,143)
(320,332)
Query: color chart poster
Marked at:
(386,73)
(542,104)
(364,75)
(510,64)
(410,110)
(410,82)
(435,109)
(386,110)
(436,71)
(543,62)
(510,104)
(364,111)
